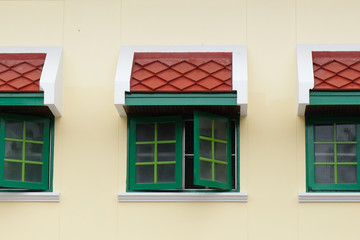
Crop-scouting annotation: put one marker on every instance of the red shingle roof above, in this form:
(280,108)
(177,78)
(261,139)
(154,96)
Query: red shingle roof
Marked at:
(181,72)
(336,70)
(20,72)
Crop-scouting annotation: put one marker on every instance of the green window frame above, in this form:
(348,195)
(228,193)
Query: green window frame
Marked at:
(212,144)
(25,152)
(208,164)
(332,159)
(154,144)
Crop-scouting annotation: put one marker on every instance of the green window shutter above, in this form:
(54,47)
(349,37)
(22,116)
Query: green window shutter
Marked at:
(212,151)
(332,154)
(24,152)
(155,153)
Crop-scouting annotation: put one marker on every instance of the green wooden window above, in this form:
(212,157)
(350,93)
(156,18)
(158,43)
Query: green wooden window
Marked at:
(333,154)
(212,151)
(24,152)
(171,153)
(155,153)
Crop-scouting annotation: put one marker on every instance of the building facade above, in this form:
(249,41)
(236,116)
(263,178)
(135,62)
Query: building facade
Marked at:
(88,191)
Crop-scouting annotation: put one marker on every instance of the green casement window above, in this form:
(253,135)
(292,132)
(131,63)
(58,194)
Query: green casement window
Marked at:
(332,147)
(155,153)
(174,153)
(212,151)
(24,152)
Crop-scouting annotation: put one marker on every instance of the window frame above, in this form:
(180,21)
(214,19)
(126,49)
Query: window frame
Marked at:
(310,122)
(197,157)
(130,179)
(47,158)
(132,153)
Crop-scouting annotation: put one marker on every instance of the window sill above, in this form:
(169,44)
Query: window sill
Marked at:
(329,197)
(183,197)
(29,197)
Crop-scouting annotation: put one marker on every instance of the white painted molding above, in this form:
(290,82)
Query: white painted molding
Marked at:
(182,197)
(305,70)
(29,197)
(51,75)
(126,57)
(329,197)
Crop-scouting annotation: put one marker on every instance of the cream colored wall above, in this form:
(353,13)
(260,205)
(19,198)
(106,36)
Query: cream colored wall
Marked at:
(90,141)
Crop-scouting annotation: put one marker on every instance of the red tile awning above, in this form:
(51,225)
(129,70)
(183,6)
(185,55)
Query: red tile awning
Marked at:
(338,70)
(181,72)
(20,72)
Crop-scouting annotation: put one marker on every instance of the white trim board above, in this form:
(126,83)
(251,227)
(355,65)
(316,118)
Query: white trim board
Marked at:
(305,72)
(182,197)
(328,197)
(29,197)
(239,70)
(51,75)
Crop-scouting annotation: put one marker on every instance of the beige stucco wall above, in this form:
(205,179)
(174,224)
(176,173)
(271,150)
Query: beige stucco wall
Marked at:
(90,140)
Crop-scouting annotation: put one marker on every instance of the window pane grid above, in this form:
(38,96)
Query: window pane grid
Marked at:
(335,164)
(212,140)
(23,160)
(155,163)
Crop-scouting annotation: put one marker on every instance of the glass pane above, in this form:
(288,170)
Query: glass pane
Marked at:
(324,153)
(220,130)
(324,174)
(166,173)
(346,152)
(34,131)
(189,137)
(346,132)
(33,152)
(205,127)
(324,133)
(145,153)
(206,170)
(145,174)
(166,131)
(220,172)
(166,152)
(220,151)
(14,129)
(145,132)
(12,171)
(205,149)
(33,173)
(13,150)
(347,174)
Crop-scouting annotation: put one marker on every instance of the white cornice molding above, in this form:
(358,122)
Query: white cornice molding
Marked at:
(305,72)
(182,197)
(239,70)
(51,75)
(329,197)
(29,197)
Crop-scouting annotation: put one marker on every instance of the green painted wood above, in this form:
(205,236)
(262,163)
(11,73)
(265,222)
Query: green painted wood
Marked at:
(197,158)
(180,99)
(21,99)
(334,98)
(310,122)
(44,184)
(155,185)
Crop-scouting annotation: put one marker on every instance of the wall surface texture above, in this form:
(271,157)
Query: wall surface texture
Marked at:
(91,139)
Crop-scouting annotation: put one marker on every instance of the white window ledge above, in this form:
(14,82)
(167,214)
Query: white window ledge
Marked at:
(183,197)
(329,197)
(29,197)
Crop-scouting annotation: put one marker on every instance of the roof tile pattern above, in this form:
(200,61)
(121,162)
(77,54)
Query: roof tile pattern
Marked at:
(182,72)
(336,70)
(20,72)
